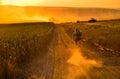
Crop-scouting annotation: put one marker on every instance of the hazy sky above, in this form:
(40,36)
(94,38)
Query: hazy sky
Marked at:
(64,3)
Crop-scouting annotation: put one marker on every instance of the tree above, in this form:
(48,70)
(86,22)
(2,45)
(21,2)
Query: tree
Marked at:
(92,20)
(78,21)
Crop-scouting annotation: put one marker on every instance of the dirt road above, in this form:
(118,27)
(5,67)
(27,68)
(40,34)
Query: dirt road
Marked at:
(65,60)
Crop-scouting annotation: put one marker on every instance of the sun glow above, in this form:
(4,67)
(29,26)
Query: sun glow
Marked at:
(20,2)
(64,3)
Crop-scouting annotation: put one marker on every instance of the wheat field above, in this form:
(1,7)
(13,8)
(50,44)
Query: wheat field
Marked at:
(20,44)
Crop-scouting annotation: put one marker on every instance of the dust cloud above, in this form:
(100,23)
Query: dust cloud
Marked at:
(79,65)
(36,18)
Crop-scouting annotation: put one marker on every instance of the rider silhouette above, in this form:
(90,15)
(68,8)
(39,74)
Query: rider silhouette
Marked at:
(77,35)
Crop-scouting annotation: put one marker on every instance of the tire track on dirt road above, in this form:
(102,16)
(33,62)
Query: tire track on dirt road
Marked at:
(69,62)
(65,60)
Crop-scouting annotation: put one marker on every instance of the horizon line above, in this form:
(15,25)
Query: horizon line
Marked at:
(58,6)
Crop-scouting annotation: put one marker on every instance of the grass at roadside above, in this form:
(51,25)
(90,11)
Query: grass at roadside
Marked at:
(20,44)
(105,34)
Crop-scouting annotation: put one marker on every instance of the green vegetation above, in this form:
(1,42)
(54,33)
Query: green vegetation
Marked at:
(20,44)
(104,34)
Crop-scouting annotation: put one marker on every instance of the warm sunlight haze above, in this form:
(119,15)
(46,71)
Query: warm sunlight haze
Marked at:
(57,10)
(65,3)
(59,39)
(20,2)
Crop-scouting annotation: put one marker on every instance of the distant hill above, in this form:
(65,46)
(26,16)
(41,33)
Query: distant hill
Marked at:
(55,14)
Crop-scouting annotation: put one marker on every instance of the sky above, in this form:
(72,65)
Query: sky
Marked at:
(64,3)
(11,14)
